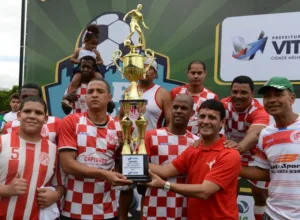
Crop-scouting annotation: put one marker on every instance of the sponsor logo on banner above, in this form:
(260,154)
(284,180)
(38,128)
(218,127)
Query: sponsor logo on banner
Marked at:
(245,207)
(247,51)
(113,31)
(260,46)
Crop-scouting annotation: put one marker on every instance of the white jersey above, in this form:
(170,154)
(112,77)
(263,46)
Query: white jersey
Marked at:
(84,52)
(279,151)
(154,113)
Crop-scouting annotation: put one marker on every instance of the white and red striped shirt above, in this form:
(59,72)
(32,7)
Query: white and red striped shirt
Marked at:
(49,130)
(37,164)
(162,147)
(238,123)
(279,152)
(198,100)
(96,146)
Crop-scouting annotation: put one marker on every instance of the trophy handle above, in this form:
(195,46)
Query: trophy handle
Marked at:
(117,56)
(149,54)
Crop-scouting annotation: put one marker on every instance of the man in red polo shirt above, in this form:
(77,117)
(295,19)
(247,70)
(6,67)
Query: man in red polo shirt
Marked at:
(212,170)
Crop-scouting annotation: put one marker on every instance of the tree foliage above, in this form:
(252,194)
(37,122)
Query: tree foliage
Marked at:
(4,98)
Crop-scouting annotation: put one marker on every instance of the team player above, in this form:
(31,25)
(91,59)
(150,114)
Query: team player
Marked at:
(28,165)
(196,74)
(245,118)
(14,105)
(77,99)
(88,148)
(163,145)
(278,152)
(50,130)
(211,169)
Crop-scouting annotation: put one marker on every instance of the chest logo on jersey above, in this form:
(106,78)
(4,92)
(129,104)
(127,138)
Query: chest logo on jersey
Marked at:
(211,163)
(44,159)
(112,139)
(45,131)
(295,136)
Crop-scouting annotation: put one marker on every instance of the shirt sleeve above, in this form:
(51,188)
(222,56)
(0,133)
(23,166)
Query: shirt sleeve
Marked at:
(226,169)
(173,93)
(181,162)
(260,158)
(67,137)
(260,117)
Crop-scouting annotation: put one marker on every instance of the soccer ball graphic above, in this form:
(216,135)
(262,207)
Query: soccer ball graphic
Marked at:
(113,33)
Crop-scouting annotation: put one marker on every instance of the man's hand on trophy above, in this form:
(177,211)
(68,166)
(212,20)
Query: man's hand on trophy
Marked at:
(117,179)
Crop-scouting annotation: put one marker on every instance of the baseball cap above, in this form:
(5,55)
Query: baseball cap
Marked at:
(281,83)
(154,64)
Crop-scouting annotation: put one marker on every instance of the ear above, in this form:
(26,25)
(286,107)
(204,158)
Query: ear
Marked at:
(293,97)
(110,97)
(19,115)
(46,119)
(222,123)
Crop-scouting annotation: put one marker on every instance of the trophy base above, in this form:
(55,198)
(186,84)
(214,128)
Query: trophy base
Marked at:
(135,167)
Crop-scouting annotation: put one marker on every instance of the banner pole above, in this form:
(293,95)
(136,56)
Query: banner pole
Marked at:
(22,43)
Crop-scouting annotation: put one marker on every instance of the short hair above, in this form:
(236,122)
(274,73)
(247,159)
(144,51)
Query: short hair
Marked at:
(243,80)
(196,62)
(102,80)
(32,86)
(34,99)
(89,58)
(215,105)
(14,96)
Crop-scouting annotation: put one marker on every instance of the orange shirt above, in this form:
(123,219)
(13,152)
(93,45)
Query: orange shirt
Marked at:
(218,165)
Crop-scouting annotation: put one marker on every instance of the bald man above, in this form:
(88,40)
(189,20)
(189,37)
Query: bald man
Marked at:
(163,145)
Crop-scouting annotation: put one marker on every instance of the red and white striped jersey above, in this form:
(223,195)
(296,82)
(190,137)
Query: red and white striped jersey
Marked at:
(198,100)
(238,123)
(162,147)
(37,164)
(96,146)
(279,152)
(49,130)
(80,106)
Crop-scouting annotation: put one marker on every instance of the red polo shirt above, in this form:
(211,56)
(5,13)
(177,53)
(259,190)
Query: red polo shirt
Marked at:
(218,165)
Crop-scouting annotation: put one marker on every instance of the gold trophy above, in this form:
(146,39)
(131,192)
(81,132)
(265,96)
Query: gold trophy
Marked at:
(134,164)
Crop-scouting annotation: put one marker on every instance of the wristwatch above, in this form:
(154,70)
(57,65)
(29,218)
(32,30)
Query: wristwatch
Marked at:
(167,186)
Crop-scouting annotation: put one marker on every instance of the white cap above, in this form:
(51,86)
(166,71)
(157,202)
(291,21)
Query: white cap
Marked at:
(154,64)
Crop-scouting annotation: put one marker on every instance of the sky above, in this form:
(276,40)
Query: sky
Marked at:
(10,26)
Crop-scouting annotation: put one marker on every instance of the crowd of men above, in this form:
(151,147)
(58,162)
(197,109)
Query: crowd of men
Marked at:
(198,147)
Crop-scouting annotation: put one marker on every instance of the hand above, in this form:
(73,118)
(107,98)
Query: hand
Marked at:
(156,182)
(71,97)
(230,144)
(17,187)
(117,179)
(46,197)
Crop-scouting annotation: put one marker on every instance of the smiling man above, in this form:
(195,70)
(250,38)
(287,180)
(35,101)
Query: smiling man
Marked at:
(278,152)
(163,145)
(245,118)
(212,170)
